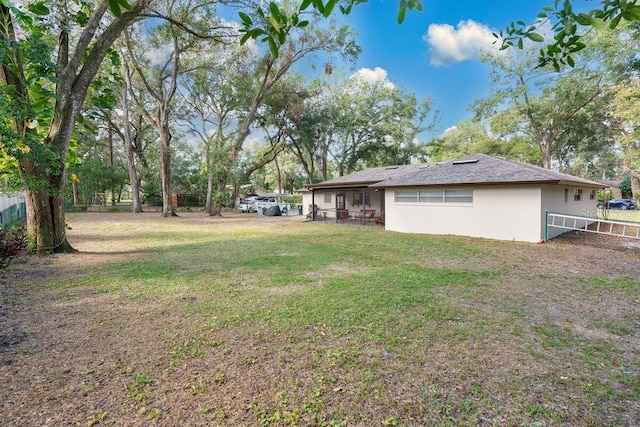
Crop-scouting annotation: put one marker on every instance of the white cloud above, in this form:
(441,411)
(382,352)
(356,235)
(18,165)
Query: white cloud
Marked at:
(449,45)
(377,75)
(160,55)
(450,129)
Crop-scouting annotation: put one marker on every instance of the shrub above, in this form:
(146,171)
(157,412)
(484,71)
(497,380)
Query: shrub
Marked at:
(12,244)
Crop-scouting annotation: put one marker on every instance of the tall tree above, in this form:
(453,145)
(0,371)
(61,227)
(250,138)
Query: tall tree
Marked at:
(304,42)
(212,100)
(470,137)
(551,108)
(44,84)
(376,123)
(159,55)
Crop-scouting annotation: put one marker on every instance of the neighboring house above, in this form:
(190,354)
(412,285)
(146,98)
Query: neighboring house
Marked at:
(612,186)
(249,190)
(477,196)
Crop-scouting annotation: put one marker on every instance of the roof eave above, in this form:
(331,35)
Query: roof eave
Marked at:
(321,186)
(448,184)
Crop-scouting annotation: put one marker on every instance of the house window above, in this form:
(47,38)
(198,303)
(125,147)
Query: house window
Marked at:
(406,196)
(431,196)
(357,199)
(577,194)
(592,194)
(458,196)
(435,196)
(566,195)
(327,197)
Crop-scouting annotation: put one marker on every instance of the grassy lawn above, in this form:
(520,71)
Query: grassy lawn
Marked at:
(249,320)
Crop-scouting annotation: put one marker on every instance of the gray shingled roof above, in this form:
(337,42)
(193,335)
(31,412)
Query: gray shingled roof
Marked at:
(482,169)
(368,176)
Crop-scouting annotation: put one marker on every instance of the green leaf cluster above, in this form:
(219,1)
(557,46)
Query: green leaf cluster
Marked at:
(272,25)
(569,29)
(116,7)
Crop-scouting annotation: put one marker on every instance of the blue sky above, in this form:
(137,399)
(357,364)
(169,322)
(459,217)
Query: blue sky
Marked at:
(434,52)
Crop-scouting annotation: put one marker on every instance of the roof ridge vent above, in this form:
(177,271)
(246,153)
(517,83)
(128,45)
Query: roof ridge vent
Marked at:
(464,162)
(390,168)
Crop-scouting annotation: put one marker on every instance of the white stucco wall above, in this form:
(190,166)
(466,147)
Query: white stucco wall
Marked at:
(306,201)
(497,212)
(553,200)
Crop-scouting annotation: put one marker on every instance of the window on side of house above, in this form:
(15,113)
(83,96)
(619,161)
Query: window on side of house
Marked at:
(357,199)
(431,196)
(457,196)
(577,194)
(406,196)
(327,197)
(592,194)
(566,195)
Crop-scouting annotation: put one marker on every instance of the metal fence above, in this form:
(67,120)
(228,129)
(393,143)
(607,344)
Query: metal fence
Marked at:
(627,229)
(12,209)
(597,232)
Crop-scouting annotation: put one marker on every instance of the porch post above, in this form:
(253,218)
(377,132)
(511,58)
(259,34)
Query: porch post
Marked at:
(364,210)
(313,205)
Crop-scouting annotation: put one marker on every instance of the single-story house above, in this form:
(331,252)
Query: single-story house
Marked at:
(476,195)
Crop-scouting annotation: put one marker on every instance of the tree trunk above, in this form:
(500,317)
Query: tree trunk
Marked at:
(76,196)
(129,147)
(209,203)
(165,170)
(113,187)
(133,182)
(217,207)
(635,184)
(46,220)
(279,175)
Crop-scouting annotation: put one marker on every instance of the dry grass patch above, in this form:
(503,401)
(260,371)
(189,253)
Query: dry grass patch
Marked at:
(248,320)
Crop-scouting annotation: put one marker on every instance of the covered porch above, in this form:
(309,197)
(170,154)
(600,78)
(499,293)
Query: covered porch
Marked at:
(345,204)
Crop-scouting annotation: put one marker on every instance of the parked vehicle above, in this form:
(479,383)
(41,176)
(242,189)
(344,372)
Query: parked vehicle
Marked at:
(248,205)
(265,203)
(624,204)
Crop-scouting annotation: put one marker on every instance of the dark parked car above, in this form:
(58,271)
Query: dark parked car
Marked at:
(623,204)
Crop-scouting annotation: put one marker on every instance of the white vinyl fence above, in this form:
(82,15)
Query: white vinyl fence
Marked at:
(12,208)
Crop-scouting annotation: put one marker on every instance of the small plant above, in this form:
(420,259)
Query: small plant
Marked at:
(153,413)
(13,243)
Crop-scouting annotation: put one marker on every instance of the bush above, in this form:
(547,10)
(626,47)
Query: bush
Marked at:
(13,243)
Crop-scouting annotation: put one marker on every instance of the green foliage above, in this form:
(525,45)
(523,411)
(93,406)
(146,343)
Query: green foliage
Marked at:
(625,185)
(13,243)
(95,177)
(293,199)
(272,26)
(569,29)
(116,6)
(31,99)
